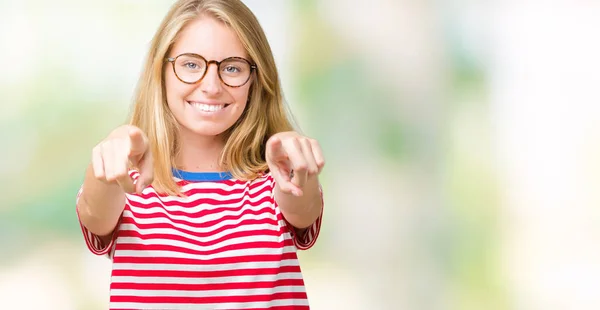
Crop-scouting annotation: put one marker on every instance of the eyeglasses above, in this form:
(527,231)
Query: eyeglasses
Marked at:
(191,68)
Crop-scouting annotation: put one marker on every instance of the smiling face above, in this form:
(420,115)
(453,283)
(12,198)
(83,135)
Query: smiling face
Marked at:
(209,107)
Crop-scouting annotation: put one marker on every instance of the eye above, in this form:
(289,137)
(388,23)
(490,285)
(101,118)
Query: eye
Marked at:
(231,69)
(191,65)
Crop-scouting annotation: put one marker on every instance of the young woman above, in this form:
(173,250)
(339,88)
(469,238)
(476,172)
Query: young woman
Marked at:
(203,199)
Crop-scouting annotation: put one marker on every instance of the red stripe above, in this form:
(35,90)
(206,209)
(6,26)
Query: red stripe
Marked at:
(255,188)
(251,191)
(215,261)
(208,300)
(199,241)
(226,182)
(144,226)
(206,287)
(171,248)
(266,203)
(212,201)
(206,274)
(284,308)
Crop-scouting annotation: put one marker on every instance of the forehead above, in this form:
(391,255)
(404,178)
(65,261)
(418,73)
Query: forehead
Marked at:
(210,38)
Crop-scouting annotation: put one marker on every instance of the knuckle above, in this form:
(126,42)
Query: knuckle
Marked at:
(104,147)
(301,167)
(99,176)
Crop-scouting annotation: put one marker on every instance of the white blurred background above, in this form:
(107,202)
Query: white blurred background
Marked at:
(461,138)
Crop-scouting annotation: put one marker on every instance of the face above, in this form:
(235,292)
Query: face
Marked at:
(209,107)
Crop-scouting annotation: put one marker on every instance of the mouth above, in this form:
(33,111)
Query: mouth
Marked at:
(204,107)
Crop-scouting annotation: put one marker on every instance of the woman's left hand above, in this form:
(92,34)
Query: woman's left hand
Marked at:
(293,160)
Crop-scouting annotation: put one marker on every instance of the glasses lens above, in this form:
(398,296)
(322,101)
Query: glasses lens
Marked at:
(234,72)
(190,68)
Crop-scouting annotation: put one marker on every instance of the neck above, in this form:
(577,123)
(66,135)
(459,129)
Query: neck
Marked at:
(200,153)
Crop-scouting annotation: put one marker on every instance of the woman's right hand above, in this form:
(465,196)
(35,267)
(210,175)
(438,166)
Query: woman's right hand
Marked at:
(125,148)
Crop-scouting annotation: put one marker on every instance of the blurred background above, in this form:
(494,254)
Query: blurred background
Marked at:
(461,138)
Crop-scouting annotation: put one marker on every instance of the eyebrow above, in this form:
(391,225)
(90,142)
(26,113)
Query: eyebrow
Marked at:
(247,57)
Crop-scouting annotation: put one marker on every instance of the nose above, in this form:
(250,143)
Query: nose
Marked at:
(211,83)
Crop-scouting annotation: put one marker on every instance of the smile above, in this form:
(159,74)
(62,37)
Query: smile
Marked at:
(203,107)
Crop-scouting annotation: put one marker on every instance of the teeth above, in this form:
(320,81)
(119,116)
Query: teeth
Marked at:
(207,107)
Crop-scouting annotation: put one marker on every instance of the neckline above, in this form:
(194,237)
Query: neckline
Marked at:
(201,176)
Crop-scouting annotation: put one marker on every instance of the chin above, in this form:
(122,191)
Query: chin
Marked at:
(207,129)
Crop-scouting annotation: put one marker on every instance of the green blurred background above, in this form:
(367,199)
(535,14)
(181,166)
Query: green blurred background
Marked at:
(461,140)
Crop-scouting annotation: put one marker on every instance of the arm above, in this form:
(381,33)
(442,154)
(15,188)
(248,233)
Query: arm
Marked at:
(100,204)
(295,163)
(107,179)
(304,210)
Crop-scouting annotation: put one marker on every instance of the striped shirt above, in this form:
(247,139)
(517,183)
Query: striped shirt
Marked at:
(225,245)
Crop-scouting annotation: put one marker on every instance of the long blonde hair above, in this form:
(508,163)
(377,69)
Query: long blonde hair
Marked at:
(265,114)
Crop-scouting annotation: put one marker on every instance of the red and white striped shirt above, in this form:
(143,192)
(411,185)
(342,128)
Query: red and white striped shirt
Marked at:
(224,246)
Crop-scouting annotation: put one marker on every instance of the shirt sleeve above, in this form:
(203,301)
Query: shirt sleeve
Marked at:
(94,242)
(308,237)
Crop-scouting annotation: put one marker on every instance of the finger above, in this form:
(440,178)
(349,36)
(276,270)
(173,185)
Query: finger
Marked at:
(317,154)
(119,160)
(107,154)
(294,152)
(121,164)
(146,170)
(309,157)
(126,183)
(275,149)
(138,142)
(282,180)
(97,164)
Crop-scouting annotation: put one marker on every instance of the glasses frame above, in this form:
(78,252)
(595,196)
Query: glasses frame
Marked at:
(172,60)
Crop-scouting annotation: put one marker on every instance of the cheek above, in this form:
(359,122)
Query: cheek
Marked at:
(242,97)
(241,94)
(174,89)
(169,86)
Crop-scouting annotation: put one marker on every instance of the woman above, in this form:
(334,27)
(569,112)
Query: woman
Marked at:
(203,199)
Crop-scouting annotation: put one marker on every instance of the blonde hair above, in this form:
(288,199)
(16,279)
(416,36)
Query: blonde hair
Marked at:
(265,114)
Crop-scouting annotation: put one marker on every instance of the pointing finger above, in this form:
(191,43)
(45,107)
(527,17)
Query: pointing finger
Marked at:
(317,154)
(275,148)
(309,157)
(298,162)
(97,164)
(138,142)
